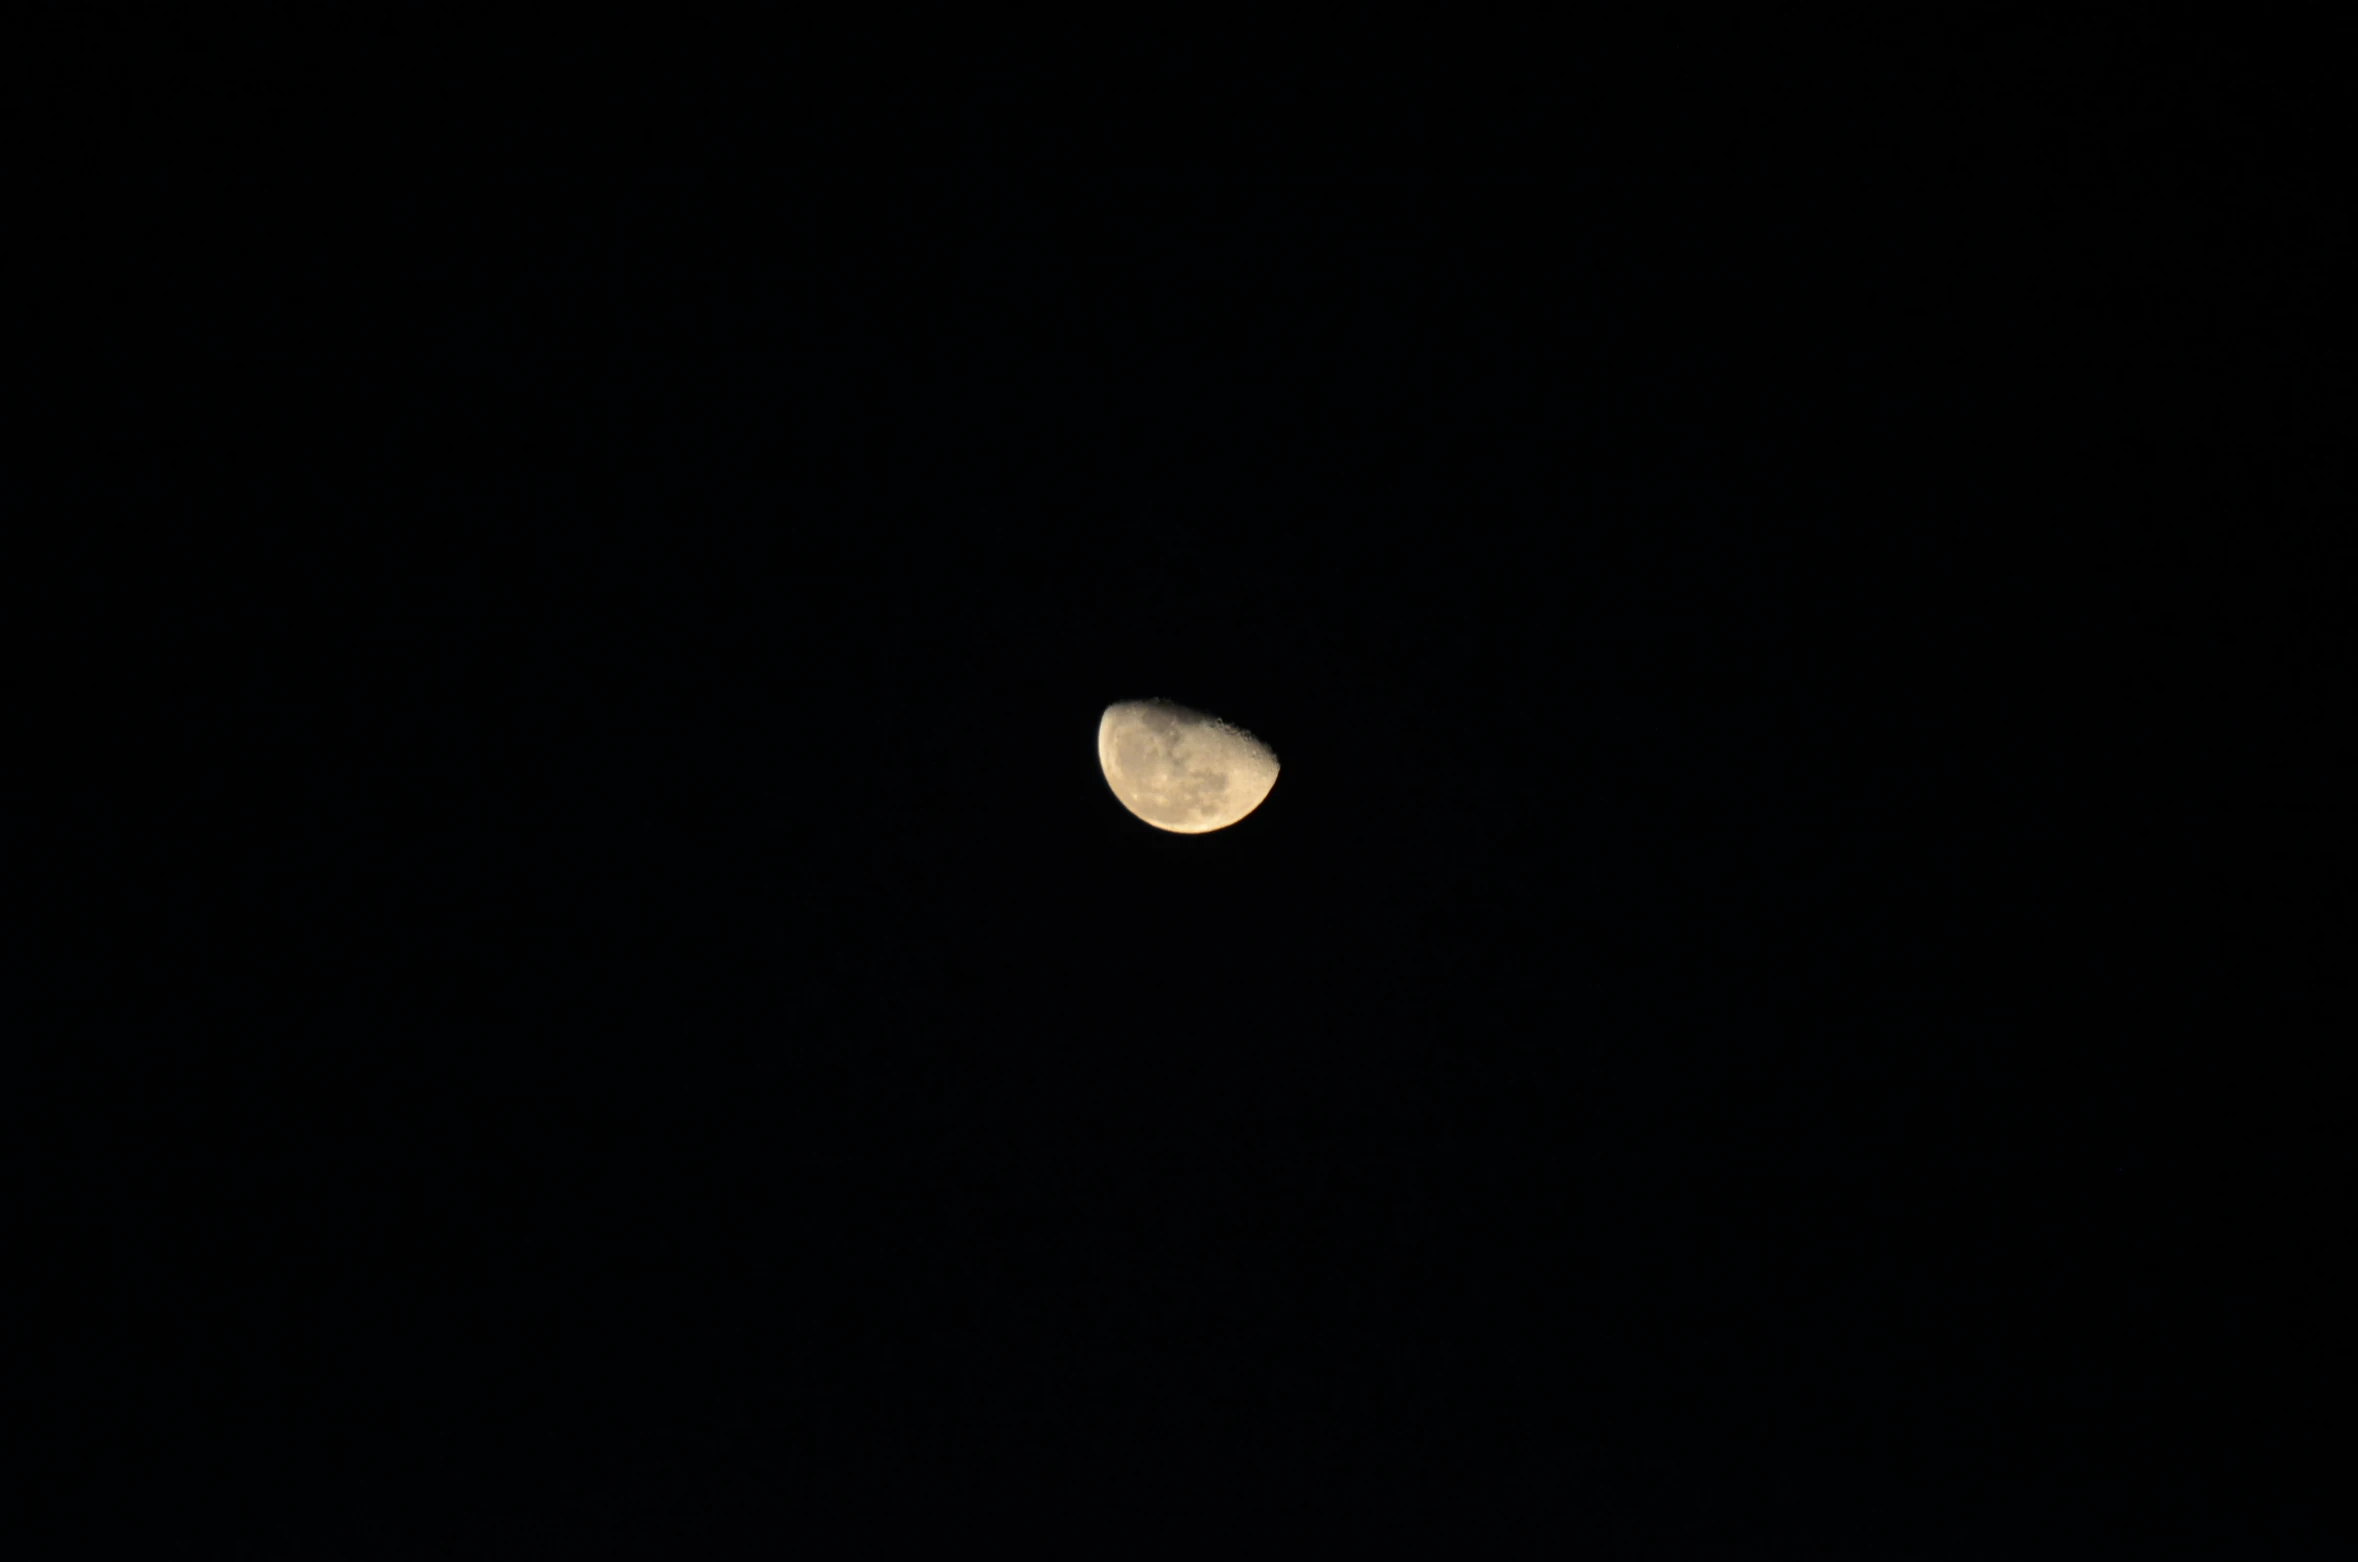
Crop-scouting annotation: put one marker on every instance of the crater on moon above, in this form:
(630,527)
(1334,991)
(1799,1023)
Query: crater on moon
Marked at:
(1179,769)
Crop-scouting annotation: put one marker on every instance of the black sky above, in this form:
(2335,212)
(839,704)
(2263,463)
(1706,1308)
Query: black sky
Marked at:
(1780,1002)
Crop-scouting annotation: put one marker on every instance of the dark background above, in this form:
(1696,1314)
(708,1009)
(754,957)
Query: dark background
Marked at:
(1781,1003)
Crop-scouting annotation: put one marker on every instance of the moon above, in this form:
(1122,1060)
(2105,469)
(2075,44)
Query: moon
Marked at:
(1181,770)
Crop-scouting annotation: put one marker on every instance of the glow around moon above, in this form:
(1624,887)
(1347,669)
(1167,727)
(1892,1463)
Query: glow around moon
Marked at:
(1181,770)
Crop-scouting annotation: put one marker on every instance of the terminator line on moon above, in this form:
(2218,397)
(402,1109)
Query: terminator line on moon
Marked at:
(1181,770)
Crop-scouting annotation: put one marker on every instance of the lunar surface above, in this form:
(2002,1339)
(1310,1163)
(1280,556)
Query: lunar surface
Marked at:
(1181,770)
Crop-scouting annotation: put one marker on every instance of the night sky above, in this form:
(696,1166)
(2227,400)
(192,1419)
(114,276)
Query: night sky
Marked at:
(1781,1003)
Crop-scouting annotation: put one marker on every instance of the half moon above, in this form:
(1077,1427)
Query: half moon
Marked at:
(1181,770)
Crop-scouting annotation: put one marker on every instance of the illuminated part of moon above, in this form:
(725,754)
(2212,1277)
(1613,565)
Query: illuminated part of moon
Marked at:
(1181,770)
